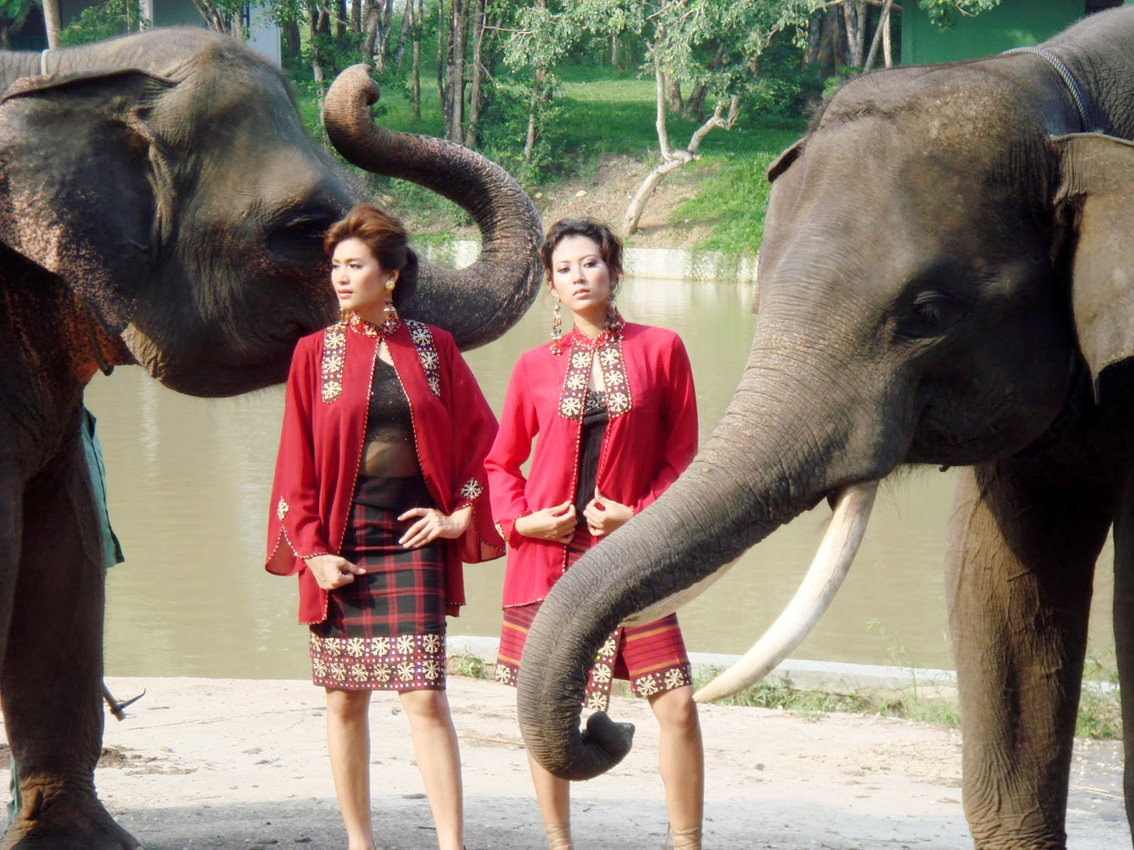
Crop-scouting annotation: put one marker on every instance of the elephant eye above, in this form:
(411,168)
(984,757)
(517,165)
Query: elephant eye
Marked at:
(299,238)
(931,312)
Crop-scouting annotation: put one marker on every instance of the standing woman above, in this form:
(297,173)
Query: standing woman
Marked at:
(616,415)
(379,496)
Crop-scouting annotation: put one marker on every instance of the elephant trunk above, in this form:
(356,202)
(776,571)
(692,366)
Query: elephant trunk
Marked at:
(477,303)
(761,468)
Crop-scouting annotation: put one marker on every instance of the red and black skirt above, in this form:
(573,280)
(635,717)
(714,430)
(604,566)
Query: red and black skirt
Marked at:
(651,657)
(386,629)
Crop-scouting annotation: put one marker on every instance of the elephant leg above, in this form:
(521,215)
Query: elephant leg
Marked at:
(52,674)
(1124,630)
(1019,568)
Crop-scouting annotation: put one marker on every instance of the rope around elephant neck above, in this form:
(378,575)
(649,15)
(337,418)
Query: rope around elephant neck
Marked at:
(1088,117)
(43,61)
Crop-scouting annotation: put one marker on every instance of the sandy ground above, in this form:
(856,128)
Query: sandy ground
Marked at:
(212,763)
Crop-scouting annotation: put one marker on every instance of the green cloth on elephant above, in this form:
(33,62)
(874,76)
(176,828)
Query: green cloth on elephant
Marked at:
(111,552)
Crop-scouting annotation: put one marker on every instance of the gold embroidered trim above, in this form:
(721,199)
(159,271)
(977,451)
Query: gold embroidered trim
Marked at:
(471,490)
(608,347)
(282,508)
(405,662)
(427,354)
(334,355)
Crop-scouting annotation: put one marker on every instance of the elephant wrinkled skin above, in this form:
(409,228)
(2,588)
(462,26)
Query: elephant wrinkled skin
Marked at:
(946,277)
(160,204)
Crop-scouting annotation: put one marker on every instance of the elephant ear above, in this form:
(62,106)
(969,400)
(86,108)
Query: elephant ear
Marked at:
(1096,201)
(83,188)
(780,203)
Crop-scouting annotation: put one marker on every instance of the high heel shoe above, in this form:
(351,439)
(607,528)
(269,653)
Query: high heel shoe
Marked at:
(683,839)
(558,836)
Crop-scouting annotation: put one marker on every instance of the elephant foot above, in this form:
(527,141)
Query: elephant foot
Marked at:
(65,822)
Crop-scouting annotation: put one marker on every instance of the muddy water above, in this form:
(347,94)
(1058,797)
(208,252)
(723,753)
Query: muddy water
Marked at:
(189,482)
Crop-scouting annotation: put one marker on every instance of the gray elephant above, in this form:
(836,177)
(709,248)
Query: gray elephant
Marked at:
(946,277)
(161,205)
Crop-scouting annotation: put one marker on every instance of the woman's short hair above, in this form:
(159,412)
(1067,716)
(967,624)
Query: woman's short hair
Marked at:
(386,238)
(610,246)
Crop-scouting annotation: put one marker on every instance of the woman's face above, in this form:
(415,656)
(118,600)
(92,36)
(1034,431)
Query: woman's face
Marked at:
(580,277)
(359,280)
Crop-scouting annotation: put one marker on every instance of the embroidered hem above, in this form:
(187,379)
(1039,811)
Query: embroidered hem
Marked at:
(402,663)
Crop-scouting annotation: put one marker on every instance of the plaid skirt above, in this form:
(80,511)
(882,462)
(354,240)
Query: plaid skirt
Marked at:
(651,657)
(386,629)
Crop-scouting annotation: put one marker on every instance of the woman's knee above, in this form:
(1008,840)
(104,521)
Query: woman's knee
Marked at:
(426,705)
(347,704)
(676,710)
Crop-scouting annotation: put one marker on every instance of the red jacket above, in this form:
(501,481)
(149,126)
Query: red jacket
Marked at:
(650,439)
(324,428)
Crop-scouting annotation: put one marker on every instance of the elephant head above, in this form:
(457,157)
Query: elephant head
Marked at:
(161,204)
(182,202)
(946,277)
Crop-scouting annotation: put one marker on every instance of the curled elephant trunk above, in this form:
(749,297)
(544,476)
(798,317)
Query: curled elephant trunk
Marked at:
(477,303)
(738,490)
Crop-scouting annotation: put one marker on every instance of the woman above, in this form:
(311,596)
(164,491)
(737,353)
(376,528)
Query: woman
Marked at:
(379,496)
(614,408)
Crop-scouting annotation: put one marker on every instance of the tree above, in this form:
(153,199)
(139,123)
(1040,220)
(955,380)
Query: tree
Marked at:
(714,45)
(13,13)
(52,22)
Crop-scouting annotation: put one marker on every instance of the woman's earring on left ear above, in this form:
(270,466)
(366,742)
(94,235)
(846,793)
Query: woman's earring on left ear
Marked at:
(390,323)
(556,325)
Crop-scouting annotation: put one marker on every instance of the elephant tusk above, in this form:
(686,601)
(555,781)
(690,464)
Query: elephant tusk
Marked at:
(824,577)
(667,606)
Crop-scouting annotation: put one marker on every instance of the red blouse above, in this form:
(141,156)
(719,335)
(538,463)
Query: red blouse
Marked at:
(650,438)
(324,428)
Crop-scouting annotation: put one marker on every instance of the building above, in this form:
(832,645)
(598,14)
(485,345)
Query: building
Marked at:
(263,32)
(1014,23)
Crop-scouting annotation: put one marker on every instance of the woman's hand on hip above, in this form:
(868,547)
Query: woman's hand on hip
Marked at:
(603,515)
(331,571)
(556,523)
(433,524)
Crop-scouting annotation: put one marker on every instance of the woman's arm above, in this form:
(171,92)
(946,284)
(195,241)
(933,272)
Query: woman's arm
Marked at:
(678,439)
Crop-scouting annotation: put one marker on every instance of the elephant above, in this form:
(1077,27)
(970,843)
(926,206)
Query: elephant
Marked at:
(946,277)
(161,205)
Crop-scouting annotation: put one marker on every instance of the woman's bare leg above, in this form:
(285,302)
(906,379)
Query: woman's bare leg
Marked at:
(439,760)
(554,797)
(681,760)
(348,744)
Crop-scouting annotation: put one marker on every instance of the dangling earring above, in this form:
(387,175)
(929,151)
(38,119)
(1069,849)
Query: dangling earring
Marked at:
(556,325)
(390,323)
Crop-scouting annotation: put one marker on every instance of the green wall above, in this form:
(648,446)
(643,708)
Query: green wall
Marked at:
(1014,23)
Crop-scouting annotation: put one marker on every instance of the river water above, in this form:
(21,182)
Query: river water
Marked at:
(189,483)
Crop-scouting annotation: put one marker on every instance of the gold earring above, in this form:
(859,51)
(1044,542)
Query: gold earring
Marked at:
(390,323)
(556,325)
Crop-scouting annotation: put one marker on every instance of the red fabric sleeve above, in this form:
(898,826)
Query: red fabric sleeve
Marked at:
(513,444)
(679,440)
(295,530)
(474,429)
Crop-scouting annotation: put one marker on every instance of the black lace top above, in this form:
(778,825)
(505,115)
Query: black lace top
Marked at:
(595,418)
(389,449)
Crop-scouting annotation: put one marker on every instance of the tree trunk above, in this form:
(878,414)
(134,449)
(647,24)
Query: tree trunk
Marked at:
(370,25)
(318,28)
(878,32)
(671,159)
(695,105)
(400,47)
(52,22)
(455,74)
(887,51)
(614,52)
(415,72)
(854,15)
(476,94)
(442,44)
(289,35)
(533,104)
(673,95)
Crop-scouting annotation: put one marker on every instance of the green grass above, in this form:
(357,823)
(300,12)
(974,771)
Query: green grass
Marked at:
(469,666)
(605,113)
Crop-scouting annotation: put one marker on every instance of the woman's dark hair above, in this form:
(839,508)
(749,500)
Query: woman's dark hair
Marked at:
(610,246)
(386,238)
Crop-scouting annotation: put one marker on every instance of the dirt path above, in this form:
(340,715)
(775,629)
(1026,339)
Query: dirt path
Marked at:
(215,764)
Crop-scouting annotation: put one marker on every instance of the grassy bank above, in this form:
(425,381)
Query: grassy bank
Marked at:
(716,203)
